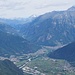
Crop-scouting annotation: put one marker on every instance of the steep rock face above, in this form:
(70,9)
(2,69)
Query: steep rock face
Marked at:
(55,28)
(11,43)
(8,68)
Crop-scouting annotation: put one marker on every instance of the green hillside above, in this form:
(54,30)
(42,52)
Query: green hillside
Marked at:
(8,68)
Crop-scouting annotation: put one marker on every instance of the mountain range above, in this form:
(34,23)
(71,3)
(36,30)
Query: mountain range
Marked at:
(51,29)
(24,37)
(17,22)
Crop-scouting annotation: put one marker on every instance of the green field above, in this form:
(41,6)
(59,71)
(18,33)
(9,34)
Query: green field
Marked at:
(49,66)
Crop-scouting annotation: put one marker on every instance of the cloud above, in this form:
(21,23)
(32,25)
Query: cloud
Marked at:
(25,8)
(12,4)
(50,5)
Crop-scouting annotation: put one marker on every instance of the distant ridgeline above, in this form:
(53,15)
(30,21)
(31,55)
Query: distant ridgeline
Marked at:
(66,53)
(8,68)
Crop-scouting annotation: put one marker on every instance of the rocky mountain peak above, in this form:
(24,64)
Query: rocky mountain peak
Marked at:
(72,8)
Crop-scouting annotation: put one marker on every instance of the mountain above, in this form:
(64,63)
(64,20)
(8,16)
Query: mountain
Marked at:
(8,68)
(66,53)
(72,8)
(13,44)
(17,22)
(51,29)
(8,29)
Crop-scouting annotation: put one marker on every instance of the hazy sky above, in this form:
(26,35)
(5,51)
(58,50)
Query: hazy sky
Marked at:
(25,8)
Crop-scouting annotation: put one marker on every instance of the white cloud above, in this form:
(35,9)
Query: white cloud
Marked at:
(24,8)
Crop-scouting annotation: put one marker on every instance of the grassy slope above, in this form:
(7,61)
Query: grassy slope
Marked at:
(51,66)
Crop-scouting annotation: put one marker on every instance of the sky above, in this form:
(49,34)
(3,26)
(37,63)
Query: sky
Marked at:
(26,8)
